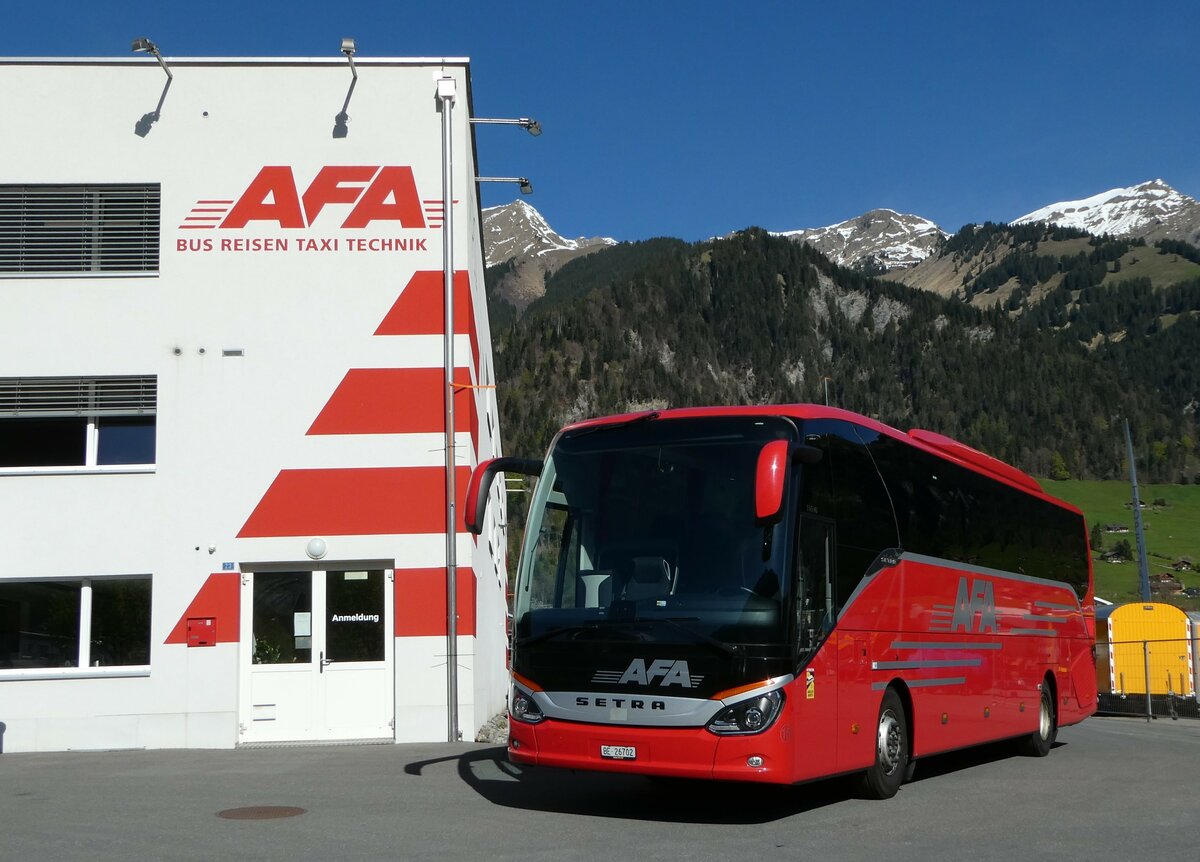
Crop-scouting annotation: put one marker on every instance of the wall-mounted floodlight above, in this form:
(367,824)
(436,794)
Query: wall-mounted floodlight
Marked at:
(348,48)
(528,124)
(340,129)
(523,182)
(143,45)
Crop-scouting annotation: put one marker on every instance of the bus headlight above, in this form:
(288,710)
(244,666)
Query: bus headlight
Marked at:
(523,708)
(753,715)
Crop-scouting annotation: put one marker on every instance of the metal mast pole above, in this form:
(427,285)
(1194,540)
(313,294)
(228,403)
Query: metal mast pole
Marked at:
(446,91)
(1143,566)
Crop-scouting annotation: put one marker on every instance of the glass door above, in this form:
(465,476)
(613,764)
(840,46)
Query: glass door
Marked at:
(355,655)
(283,618)
(319,658)
(814,583)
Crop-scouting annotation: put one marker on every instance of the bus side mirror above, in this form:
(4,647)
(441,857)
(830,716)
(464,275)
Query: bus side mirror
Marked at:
(481,484)
(768,479)
(770,474)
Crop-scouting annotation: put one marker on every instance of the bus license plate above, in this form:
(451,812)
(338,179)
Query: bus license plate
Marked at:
(619,752)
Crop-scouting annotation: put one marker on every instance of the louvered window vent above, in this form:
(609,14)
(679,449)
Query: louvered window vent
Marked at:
(32,397)
(79,229)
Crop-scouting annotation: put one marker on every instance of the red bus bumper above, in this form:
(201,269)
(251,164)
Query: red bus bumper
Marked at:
(684,752)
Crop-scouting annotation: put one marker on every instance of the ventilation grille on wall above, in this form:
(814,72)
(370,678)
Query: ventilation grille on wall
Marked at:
(58,229)
(77,396)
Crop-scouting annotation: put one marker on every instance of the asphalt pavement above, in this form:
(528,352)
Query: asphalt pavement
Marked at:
(1112,789)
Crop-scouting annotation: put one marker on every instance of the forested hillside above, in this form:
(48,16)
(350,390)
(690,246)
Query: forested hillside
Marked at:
(1038,267)
(759,319)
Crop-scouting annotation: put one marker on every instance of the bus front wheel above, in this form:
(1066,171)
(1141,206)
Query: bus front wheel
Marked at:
(884,777)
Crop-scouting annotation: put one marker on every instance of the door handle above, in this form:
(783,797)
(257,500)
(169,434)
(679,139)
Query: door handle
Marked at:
(324,661)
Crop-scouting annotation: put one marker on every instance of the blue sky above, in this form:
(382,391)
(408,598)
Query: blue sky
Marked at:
(694,119)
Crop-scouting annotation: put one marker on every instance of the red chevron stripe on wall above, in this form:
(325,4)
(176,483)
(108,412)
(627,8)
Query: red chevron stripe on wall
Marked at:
(218,599)
(361,501)
(419,309)
(421,602)
(393,401)
(356,501)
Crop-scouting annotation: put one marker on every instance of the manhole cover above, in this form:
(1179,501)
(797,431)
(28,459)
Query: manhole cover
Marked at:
(260,812)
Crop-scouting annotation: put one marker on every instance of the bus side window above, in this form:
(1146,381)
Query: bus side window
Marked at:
(866,521)
(568,562)
(555,560)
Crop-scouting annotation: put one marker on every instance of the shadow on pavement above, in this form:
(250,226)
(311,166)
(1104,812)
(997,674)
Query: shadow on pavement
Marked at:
(634,797)
(969,758)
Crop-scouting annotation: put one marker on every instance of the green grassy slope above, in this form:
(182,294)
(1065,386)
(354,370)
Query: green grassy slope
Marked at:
(1172,531)
(1161,269)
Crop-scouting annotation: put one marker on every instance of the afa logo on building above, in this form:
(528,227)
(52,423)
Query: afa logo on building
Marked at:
(348,197)
(339,199)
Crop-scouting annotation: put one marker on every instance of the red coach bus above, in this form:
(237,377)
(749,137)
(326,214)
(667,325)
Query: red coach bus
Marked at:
(781,594)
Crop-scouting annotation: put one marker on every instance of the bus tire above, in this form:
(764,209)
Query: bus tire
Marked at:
(884,777)
(1039,743)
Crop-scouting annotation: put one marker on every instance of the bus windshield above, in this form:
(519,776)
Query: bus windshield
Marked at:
(647,531)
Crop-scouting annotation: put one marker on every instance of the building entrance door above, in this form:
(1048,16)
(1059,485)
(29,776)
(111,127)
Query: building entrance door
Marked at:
(317,662)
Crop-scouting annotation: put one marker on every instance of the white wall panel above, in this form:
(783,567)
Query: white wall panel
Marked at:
(227,425)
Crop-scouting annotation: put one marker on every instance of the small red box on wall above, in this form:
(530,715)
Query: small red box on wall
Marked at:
(201,631)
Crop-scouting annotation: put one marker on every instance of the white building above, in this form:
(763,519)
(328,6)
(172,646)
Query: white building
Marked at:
(222,481)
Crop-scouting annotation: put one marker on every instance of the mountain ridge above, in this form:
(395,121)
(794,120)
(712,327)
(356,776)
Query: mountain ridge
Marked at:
(1151,210)
(517,235)
(876,241)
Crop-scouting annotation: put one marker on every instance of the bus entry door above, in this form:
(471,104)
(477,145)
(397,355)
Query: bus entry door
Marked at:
(815,712)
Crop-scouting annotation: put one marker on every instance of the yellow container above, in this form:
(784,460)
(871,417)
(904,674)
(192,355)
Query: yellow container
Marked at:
(1167,633)
(1194,621)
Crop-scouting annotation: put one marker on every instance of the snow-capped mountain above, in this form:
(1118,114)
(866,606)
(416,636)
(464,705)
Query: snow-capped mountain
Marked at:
(1152,210)
(519,230)
(879,238)
(518,233)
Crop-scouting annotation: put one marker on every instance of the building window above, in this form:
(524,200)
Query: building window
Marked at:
(79,229)
(77,422)
(81,623)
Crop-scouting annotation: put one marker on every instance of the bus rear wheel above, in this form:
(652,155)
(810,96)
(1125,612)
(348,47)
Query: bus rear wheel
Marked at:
(884,777)
(1038,743)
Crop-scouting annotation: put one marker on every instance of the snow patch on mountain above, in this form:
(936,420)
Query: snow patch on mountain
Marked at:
(519,230)
(1138,210)
(881,237)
